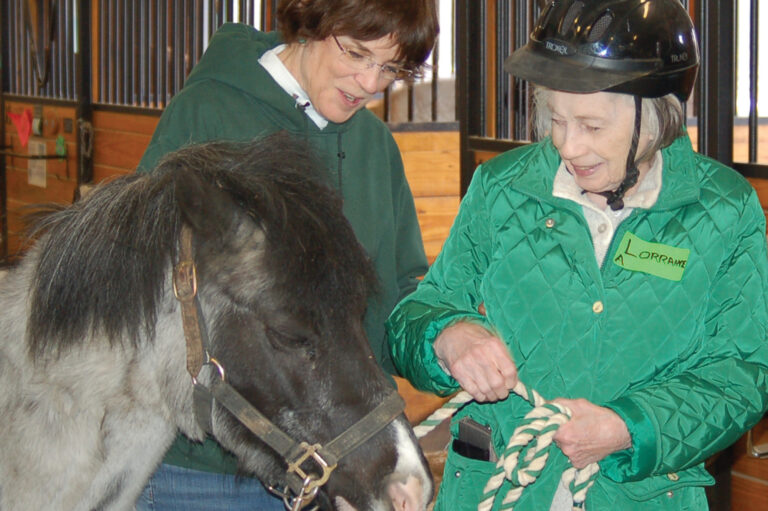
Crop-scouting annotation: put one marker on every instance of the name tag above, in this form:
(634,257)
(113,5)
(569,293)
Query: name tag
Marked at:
(657,259)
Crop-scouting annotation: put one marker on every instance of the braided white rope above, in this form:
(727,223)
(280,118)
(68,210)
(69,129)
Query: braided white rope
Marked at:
(438,416)
(526,453)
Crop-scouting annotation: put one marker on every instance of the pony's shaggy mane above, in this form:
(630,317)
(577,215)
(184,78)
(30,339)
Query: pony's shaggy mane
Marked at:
(103,261)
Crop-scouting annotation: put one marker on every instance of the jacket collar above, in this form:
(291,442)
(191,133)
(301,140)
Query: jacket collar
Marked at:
(679,186)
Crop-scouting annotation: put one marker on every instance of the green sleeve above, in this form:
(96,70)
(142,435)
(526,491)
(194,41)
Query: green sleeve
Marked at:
(682,421)
(449,292)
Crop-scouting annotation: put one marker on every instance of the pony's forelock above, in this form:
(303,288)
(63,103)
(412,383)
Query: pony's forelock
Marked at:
(106,258)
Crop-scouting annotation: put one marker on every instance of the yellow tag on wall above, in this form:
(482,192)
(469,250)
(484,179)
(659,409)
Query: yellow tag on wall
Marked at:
(657,259)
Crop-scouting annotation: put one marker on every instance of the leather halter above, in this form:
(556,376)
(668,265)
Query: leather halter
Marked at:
(303,484)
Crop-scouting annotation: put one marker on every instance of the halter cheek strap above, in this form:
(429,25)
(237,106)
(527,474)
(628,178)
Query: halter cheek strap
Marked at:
(302,483)
(615,198)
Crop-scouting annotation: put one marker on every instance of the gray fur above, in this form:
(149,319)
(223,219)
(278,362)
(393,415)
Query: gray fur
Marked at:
(92,353)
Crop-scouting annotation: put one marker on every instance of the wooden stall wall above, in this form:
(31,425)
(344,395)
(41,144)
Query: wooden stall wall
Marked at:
(59,180)
(431,162)
(749,475)
(120,140)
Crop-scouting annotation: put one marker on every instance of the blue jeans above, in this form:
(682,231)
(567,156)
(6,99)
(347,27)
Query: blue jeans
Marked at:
(174,488)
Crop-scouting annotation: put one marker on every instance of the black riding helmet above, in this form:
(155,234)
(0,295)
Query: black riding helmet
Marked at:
(642,47)
(646,48)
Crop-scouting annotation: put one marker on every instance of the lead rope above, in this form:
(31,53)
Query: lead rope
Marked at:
(527,451)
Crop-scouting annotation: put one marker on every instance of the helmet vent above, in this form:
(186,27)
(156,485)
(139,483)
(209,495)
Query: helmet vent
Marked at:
(600,27)
(573,12)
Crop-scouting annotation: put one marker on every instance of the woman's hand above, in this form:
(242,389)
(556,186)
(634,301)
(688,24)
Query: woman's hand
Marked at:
(593,432)
(478,360)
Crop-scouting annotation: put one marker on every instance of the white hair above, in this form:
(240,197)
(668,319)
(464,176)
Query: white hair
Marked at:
(662,119)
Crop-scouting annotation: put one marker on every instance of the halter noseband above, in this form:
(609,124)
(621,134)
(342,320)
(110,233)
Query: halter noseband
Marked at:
(302,485)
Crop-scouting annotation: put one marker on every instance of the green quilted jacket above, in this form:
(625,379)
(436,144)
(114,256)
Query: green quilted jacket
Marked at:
(684,361)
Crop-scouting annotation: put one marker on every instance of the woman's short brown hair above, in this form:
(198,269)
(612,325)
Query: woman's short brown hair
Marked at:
(412,23)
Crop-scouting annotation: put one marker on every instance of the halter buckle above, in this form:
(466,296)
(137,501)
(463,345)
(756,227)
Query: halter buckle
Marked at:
(295,503)
(184,280)
(311,481)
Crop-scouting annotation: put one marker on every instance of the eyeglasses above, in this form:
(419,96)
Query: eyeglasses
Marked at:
(361,62)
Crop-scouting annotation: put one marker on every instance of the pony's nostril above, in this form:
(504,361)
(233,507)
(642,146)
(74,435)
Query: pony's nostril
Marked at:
(408,495)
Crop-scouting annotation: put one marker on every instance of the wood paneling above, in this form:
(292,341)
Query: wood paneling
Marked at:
(418,405)
(432,173)
(431,161)
(750,475)
(436,216)
(61,173)
(120,140)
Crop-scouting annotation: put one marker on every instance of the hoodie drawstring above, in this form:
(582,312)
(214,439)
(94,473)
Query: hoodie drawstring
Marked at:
(340,156)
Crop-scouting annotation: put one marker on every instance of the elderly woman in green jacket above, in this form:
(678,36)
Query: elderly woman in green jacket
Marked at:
(609,267)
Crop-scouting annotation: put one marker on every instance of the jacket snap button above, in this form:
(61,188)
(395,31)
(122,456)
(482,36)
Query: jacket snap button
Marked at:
(457,474)
(673,476)
(550,223)
(670,494)
(597,307)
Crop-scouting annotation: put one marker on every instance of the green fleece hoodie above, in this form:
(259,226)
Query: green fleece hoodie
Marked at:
(229,95)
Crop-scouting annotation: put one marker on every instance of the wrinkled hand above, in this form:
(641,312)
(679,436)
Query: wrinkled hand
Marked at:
(478,360)
(593,432)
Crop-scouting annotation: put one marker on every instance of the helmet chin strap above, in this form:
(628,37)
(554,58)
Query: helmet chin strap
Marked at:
(615,198)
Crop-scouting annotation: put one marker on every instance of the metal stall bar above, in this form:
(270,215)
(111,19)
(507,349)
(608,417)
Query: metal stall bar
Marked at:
(188,24)
(197,33)
(9,46)
(132,57)
(112,53)
(84,107)
(168,65)
(434,83)
(69,59)
(143,58)
(502,79)
(5,42)
(102,94)
(176,46)
(526,14)
(470,81)
(717,24)
(24,65)
(411,99)
(121,37)
(753,61)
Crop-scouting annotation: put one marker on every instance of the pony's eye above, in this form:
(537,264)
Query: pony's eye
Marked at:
(284,340)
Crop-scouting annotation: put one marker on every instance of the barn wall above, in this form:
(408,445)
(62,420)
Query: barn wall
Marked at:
(61,173)
(431,161)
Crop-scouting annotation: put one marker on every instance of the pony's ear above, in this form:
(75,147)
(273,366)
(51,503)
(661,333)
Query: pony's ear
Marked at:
(203,206)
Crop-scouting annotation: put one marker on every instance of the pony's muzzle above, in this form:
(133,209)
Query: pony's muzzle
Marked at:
(408,495)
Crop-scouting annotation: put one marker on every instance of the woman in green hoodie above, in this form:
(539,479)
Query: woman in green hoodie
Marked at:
(610,268)
(312,80)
